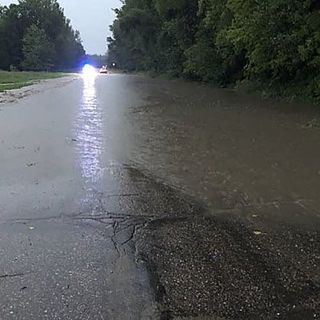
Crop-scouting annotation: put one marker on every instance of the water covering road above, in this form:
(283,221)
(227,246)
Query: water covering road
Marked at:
(123,197)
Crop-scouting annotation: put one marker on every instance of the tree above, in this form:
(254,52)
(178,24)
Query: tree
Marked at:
(11,34)
(38,51)
(135,36)
(281,40)
(272,43)
(213,57)
(47,16)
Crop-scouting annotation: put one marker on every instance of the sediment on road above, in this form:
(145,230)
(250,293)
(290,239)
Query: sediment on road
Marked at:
(204,266)
(33,87)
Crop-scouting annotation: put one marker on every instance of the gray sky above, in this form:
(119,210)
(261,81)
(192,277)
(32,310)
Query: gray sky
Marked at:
(91,17)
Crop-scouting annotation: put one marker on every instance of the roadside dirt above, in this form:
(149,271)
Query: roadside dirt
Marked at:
(11,96)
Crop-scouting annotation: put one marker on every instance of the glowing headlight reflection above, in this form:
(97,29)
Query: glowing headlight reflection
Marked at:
(89,128)
(89,71)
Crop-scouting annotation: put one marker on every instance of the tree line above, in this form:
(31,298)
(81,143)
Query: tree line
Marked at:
(271,44)
(36,35)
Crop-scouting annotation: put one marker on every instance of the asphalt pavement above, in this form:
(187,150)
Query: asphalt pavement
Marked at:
(98,222)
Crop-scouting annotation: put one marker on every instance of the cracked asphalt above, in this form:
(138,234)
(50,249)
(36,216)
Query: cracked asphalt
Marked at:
(106,214)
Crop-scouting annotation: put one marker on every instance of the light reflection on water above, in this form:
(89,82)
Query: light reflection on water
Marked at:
(89,131)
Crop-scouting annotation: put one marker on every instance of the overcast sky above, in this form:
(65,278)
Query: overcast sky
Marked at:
(91,17)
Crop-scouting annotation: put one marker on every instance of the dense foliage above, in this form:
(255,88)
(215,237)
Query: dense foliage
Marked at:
(35,35)
(272,43)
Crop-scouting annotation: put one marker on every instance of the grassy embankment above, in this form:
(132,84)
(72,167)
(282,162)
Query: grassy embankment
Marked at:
(16,80)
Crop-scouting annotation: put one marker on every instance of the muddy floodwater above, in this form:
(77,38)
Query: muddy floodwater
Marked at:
(126,197)
(235,152)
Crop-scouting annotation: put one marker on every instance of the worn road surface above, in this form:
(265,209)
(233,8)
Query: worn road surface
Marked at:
(123,197)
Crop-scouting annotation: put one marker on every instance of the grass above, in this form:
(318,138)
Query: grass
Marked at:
(15,79)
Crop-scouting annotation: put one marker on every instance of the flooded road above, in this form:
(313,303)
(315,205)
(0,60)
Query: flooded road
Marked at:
(233,151)
(124,197)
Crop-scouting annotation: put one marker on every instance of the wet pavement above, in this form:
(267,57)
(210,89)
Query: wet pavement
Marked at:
(124,197)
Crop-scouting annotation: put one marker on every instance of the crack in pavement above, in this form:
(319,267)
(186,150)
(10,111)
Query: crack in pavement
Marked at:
(113,238)
(123,195)
(132,235)
(117,229)
(13,275)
